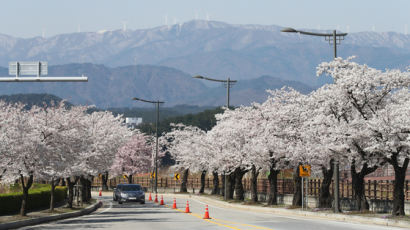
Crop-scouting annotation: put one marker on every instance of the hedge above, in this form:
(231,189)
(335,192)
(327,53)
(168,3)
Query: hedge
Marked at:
(10,203)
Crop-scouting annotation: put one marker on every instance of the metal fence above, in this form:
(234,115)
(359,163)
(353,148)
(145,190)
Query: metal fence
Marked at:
(374,189)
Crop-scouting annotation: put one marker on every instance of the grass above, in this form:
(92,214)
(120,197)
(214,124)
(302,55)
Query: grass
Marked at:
(17,187)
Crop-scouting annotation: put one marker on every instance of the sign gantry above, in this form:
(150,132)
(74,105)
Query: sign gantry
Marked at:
(35,72)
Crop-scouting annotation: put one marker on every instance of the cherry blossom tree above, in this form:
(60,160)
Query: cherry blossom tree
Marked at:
(23,157)
(133,157)
(230,138)
(188,147)
(58,128)
(105,133)
(283,114)
(355,98)
(390,127)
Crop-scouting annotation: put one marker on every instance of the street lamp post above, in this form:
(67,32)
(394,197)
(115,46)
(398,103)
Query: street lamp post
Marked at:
(229,84)
(334,38)
(156,138)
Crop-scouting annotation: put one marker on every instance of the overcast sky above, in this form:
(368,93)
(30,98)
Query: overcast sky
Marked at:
(28,18)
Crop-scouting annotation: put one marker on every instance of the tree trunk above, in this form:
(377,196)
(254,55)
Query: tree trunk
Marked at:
(223,185)
(325,199)
(71,190)
(398,192)
(84,186)
(26,187)
(297,195)
(254,184)
(202,189)
(129,179)
(89,184)
(230,184)
(359,196)
(184,181)
(104,179)
(239,192)
(54,183)
(273,186)
(215,182)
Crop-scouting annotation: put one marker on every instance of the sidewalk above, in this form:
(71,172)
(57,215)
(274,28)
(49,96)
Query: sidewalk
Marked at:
(326,215)
(43,216)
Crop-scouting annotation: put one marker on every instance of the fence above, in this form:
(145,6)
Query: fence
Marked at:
(374,189)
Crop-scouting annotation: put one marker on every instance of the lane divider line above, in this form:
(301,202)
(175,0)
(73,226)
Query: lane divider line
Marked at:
(224,221)
(249,225)
(210,221)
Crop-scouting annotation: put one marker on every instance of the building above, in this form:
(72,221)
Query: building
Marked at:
(133,122)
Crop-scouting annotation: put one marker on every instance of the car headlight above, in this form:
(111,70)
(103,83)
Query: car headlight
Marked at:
(124,195)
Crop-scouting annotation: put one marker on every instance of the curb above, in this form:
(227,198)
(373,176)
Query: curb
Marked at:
(41,220)
(299,213)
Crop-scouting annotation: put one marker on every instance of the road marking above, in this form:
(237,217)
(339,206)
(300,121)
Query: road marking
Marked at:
(105,210)
(210,205)
(231,222)
(249,225)
(221,224)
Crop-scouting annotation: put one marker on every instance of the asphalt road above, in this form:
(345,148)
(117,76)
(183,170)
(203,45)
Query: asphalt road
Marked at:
(153,216)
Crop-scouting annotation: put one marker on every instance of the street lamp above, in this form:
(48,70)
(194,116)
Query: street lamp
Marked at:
(156,138)
(333,38)
(228,84)
(336,39)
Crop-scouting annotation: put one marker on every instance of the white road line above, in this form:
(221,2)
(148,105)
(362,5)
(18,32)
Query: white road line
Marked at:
(105,210)
(209,205)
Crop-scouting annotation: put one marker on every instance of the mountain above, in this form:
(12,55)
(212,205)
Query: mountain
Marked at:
(211,48)
(115,87)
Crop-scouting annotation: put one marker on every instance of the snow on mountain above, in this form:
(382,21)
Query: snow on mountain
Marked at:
(211,48)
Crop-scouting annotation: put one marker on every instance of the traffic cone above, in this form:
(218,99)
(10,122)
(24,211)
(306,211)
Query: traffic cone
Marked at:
(162,200)
(100,194)
(156,198)
(187,207)
(206,216)
(174,206)
(150,197)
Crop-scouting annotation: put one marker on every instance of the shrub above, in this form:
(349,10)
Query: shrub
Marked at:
(37,198)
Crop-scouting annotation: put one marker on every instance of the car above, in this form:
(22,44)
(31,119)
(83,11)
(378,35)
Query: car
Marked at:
(129,192)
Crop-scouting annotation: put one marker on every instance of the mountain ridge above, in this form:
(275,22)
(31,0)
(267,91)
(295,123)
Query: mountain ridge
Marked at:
(116,86)
(211,48)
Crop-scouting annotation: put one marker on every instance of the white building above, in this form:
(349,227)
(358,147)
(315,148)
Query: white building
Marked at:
(133,121)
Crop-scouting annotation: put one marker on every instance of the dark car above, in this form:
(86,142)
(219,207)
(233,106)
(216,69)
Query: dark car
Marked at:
(128,192)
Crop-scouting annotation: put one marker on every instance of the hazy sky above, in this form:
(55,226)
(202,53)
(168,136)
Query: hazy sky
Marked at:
(28,18)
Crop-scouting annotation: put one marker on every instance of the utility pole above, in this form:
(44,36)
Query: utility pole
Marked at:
(157,103)
(334,39)
(228,85)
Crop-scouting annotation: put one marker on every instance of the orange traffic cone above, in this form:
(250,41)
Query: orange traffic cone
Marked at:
(187,207)
(174,206)
(150,197)
(162,200)
(206,216)
(100,194)
(156,198)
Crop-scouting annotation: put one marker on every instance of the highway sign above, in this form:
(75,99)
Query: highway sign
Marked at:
(304,170)
(176,176)
(28,68)
(35,72)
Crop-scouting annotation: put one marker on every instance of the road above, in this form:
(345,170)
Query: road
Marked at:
(153,216)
